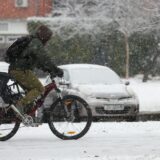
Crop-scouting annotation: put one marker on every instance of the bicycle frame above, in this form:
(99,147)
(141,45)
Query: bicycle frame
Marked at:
(48,88)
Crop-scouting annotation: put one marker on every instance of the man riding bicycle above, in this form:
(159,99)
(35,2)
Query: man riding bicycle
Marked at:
(33,56)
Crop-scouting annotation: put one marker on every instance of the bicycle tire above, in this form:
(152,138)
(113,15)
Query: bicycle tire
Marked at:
(51,121)
(12,133)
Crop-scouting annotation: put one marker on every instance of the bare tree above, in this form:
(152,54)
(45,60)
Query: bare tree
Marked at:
(133,16)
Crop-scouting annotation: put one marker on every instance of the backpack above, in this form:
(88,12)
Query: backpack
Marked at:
(15,50)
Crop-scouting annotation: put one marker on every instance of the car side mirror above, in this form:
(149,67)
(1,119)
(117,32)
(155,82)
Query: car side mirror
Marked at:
(127,83)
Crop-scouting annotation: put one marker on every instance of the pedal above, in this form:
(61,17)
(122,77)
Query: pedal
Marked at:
(27,120)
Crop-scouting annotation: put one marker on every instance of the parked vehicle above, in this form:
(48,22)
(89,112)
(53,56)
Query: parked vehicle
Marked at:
(103,90)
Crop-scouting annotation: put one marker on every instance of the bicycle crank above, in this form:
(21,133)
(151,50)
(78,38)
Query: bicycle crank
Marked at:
(27,120)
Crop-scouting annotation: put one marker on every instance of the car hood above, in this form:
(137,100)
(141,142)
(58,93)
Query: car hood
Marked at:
(103,91)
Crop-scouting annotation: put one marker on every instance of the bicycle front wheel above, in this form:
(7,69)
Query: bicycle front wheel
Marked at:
(70,117)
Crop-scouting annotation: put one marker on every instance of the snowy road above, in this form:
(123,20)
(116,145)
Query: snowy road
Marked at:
(105,141)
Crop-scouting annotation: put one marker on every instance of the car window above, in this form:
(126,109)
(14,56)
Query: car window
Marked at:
(66,75)
(94,76)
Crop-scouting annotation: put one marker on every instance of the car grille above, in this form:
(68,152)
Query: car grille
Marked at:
(101,110)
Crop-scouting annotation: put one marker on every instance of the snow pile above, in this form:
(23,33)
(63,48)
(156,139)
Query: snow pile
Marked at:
(148,94)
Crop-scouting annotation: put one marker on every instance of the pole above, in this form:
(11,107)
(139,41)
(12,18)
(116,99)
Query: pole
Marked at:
(127,55)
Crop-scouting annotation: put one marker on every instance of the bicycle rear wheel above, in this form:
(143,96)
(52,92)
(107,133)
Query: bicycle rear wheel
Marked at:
(8,125)
(70,118)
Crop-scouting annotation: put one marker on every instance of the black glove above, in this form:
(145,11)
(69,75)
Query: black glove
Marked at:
(59,72)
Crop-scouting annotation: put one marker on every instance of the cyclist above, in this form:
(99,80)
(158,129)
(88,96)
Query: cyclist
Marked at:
(33,56)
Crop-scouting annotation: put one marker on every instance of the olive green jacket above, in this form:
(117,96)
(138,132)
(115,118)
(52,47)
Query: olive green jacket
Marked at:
(34,56)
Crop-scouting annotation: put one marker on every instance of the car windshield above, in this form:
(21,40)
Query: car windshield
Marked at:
(94,76)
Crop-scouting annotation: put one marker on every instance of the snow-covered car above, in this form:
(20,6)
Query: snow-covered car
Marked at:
(102,88)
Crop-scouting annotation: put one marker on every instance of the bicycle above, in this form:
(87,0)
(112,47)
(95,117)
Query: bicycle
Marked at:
(69,116)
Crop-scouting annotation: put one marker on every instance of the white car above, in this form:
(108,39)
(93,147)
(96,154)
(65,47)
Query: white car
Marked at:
(102,88)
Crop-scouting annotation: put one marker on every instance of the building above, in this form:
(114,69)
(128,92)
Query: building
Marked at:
(13,15)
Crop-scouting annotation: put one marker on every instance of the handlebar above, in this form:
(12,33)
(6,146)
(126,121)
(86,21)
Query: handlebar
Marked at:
(62,81)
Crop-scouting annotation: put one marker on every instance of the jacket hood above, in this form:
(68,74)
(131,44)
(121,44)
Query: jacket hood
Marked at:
(44,33)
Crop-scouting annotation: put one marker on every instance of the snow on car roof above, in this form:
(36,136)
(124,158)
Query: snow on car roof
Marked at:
(79,66)
(103,74)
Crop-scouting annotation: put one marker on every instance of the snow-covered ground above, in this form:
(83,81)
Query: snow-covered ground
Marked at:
(148,94)
(104,141)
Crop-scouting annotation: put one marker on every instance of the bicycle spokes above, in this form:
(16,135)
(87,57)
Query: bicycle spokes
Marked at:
(71,118)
